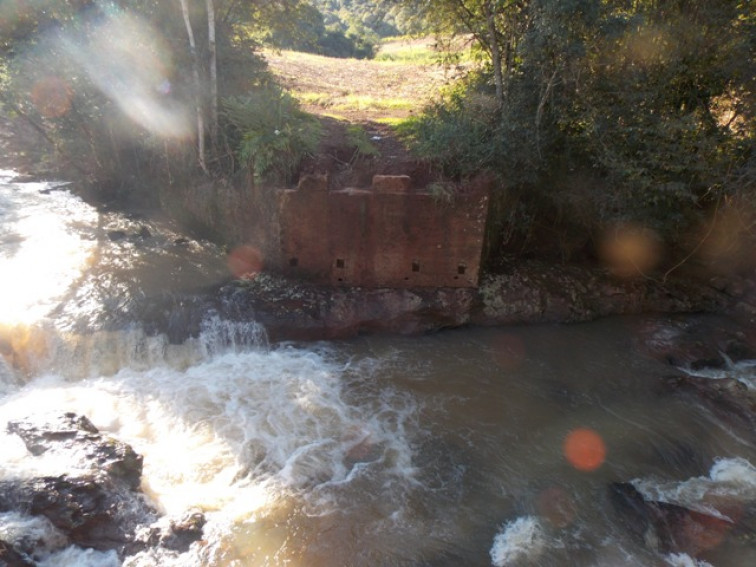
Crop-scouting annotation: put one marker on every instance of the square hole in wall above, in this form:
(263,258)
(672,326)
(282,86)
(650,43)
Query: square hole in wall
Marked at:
(461,270)
(339,263)
(415,266)
(293,262)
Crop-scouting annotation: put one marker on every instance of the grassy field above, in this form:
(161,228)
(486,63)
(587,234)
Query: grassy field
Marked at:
(404,77)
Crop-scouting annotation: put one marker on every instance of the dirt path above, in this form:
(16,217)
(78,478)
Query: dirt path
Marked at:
(370,93)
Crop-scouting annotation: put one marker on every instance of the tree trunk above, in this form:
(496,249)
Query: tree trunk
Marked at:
(213,70)
(493,40)
(197,87)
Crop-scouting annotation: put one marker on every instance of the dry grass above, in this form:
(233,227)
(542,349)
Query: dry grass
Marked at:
(360,90)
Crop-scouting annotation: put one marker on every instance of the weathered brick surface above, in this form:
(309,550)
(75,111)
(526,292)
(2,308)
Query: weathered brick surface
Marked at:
(391,183)
(384,238)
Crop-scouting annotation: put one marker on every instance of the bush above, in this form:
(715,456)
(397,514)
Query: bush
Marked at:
(273,133)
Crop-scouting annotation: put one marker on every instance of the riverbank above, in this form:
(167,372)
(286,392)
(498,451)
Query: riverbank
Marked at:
(524,293)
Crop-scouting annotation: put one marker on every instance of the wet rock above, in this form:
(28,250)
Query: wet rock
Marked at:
(78,440)
(175,534)
(665,527)
(695,341)
(9,557)
(116,235)
(300,311)
(728,398)
(92,511)
(95,503)
(529,292)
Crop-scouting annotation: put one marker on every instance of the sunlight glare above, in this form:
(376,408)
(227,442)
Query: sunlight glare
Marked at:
(129,62)
(47,260)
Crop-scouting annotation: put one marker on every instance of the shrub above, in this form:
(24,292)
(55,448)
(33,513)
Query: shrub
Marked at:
(273,133)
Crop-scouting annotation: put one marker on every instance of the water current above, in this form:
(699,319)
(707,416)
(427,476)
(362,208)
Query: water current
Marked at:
(442,450)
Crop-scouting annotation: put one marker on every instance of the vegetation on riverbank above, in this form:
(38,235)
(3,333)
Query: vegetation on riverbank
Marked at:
(634,120)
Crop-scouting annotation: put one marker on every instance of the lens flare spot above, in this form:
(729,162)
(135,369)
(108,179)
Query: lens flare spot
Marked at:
(508,351)
(51,97)
(556,506)
(584,449)
(629,250)
(727,241)
(245,262)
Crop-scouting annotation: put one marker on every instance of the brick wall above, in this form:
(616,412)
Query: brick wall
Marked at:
(385,236)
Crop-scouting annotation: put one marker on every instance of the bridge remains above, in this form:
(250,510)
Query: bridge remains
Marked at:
(387,235)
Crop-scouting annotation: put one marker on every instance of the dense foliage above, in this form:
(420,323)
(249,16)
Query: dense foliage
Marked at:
(274,134)
(652,101)
(128,92)
(332,37)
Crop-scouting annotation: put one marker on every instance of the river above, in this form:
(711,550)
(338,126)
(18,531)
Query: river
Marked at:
(443,450)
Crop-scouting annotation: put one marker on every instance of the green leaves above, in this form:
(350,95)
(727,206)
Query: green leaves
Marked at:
(274,134)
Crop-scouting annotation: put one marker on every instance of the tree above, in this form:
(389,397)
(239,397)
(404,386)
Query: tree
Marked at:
(653,98)
(197,86)
(120,86)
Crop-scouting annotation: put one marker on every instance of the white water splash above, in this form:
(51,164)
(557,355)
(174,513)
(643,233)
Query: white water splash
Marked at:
(239,435)
(77,557)
(733,479)
(743,371)
(524,538)
(685,560)
(26,531)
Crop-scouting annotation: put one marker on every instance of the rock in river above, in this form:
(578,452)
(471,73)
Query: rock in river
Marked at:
(92,495)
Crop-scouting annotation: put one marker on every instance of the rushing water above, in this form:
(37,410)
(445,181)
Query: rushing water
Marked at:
(444,450)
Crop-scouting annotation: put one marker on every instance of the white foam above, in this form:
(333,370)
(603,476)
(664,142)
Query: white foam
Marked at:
(743,371)
(685,560)
(27,531)
(737,472)
(524,538)
(733,478)
(77,557)
(276,419)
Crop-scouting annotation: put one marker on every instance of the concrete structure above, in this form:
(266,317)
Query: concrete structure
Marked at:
(384,236)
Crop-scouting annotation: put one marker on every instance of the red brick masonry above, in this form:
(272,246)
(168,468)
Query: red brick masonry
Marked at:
(385,236)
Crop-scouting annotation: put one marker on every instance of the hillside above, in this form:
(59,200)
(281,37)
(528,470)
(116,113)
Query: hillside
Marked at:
(363,100)
(361,90)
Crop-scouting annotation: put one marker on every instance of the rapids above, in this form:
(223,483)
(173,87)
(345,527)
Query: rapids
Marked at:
(442,450)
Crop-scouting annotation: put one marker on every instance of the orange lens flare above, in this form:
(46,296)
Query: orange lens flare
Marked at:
(629,251)
(51,97)
(556,506)
(245,262)
(508,351)
(584,449)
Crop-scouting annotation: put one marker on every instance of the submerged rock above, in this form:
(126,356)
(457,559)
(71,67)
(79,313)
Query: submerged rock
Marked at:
(9,557)
(731,400)
(665,527)
(695,341)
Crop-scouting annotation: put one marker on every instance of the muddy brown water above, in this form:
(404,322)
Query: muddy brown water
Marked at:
(443,450)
